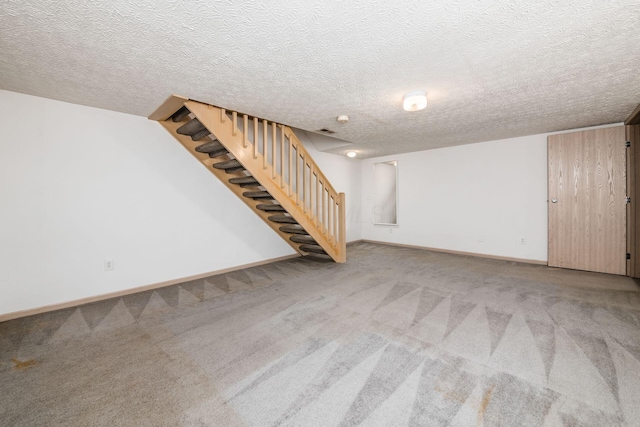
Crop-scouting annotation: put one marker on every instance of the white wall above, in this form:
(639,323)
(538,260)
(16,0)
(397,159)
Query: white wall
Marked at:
(480,198)
(80,184)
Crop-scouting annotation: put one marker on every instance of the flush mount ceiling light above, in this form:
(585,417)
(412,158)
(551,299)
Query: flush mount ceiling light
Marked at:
(351,154)
(342,118)
(414,101)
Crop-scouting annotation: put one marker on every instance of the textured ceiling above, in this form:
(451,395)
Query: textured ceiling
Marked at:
(493,69)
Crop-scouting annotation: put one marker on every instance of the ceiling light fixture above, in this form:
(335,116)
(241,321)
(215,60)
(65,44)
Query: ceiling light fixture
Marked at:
(342,118)
(414,101)
(351,154)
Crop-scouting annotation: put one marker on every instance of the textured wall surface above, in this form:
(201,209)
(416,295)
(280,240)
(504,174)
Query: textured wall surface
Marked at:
(480,198)
(492,69)
(118,187)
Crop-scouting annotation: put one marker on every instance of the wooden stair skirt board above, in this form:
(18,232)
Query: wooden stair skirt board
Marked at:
(267,167)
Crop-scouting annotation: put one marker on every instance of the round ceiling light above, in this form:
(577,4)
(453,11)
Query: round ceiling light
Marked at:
(351,154)
(415,101)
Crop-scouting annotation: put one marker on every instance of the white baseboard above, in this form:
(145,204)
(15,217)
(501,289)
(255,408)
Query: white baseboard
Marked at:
(81,301)
(449,251)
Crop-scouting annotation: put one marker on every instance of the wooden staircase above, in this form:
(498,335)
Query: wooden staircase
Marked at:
(265,165)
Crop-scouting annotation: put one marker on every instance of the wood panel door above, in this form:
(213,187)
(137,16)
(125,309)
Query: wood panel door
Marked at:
(633,190)
(587,200)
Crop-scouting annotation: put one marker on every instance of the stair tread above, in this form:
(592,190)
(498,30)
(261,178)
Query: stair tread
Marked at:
(303,238)
(293,229)
(244,181)
(317,249)
(210,146)
(257,194)
(270,207)
(215,154)
(228,164)
(179,115)
(201,134)
(284,219)
(234,169)
(191,127)
(213,149)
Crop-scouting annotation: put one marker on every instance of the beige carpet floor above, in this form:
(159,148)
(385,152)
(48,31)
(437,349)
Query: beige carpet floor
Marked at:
(393,337)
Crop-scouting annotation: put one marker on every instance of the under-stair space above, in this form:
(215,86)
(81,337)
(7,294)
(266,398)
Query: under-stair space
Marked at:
(268,168)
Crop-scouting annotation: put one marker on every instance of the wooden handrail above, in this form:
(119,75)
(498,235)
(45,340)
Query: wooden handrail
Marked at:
(316,205)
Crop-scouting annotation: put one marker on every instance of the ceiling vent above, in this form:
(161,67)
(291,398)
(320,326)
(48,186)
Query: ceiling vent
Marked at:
(327,131)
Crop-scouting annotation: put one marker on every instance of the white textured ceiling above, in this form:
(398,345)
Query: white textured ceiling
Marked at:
(493,69)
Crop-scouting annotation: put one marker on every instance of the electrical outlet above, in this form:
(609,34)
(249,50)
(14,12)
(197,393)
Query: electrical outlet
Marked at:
(523,240)
(108,264)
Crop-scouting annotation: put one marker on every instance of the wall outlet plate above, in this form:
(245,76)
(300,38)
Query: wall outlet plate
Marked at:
(108,264)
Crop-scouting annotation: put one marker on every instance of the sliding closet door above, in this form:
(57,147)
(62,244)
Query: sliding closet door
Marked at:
(587,200)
